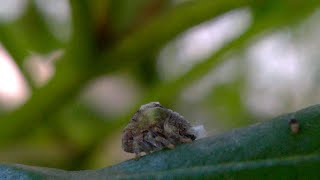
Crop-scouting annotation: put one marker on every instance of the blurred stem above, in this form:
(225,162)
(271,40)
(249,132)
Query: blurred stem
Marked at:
(16,50)
(81,50)
(12,45)
(270,20)
(32,30)
(71,74)
(152,37)
(27,34)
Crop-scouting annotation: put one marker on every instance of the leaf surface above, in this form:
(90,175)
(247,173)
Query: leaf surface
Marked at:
(269,149)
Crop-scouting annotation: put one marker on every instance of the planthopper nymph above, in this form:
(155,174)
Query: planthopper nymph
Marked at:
(154,127)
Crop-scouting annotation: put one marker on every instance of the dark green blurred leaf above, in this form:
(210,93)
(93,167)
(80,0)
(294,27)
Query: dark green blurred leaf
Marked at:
(127,15)
(153,36)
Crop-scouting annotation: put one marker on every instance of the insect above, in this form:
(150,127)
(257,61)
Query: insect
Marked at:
(153,127)
(294,126)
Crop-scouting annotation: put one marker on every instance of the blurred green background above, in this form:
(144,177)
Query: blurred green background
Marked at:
(73,72)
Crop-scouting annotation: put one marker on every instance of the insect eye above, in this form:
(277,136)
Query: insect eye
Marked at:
(129,136)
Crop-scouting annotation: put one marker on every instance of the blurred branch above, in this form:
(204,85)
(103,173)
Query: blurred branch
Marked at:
(28,33)
(71,74)
(270,20)
(33,30)
(154,35)
(15,49)
(128,15)
(267,21)
(82,26)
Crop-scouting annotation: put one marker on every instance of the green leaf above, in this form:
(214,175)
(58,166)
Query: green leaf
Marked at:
(269,150)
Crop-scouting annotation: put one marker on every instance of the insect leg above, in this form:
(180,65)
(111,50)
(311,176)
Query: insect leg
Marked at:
(185,140)
(136,146)
(136,149)
(150,139)
(165,142)
(146,147)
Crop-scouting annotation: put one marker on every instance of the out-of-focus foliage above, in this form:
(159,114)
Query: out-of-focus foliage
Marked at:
(60,124)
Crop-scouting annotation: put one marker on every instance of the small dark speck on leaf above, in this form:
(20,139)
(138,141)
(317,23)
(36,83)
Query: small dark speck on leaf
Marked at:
(294,125)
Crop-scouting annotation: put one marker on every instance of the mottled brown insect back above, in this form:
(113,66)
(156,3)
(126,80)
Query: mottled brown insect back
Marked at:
(153,127)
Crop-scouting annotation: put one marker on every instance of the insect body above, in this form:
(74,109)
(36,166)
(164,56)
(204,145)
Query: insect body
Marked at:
(294,126)
(153,127)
